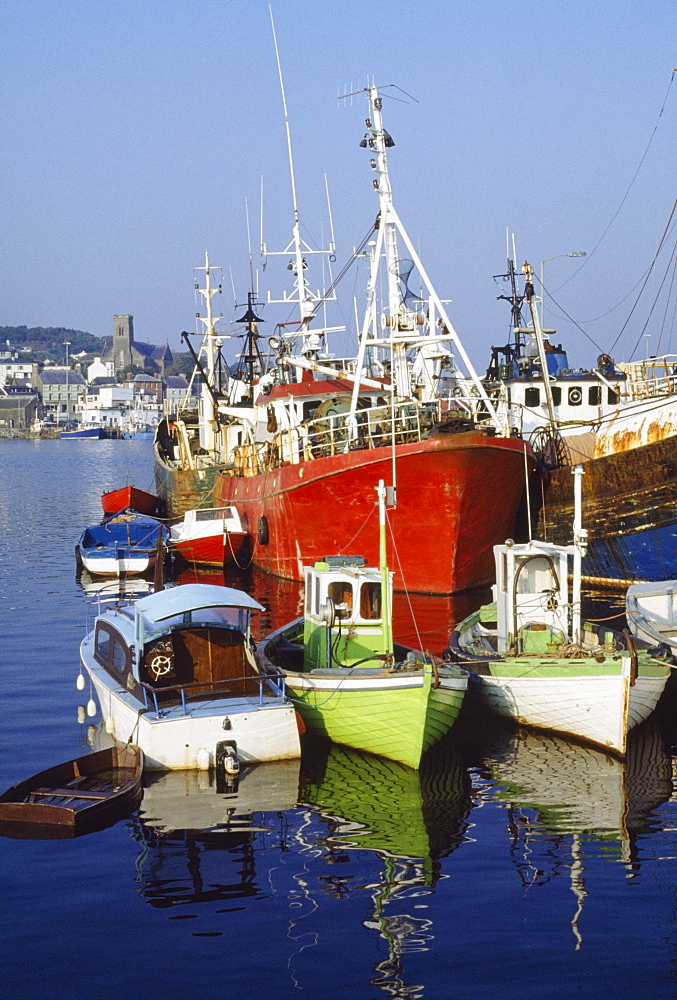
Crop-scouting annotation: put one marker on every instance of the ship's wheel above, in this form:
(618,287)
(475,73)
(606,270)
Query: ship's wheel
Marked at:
(549,448)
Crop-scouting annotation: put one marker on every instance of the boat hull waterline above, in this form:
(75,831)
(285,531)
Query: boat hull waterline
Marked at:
(593,702)
(395,714)
(172,739)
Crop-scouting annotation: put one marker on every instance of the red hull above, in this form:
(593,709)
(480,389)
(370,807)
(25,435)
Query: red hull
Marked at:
(214,551)
(129,496)
(458,495)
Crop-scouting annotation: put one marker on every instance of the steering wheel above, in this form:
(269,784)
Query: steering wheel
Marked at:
(160,665)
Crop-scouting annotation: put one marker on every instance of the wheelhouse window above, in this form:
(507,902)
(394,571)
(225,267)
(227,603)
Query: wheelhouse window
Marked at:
(612,397)
(595,395)
(370,601)
(532,396)
(556,395)
(119,658)
(102,645)
(341,593)
(575,395)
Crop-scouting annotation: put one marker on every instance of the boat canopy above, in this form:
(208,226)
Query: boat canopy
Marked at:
(192,597)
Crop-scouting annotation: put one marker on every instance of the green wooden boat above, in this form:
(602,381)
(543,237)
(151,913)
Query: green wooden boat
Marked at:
(347,678)
(534,660)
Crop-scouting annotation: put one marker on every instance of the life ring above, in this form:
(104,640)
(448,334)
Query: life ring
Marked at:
(262,531)
(575,396)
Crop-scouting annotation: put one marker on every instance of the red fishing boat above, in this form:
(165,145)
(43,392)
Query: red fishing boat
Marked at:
(130,497)
(297,447)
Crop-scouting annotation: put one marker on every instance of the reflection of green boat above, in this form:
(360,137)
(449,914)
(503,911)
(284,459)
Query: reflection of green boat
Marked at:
(348,679)
(566,802)
(380,805)
(575,789)
(409,819)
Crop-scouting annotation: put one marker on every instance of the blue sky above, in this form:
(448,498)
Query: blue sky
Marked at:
(134,133)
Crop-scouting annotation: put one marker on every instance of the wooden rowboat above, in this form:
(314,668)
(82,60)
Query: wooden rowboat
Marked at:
(76,797)
(131,497)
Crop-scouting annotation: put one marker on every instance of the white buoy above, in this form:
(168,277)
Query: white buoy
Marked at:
(110,726)
(82,715)
(91,708)
(80,682)
(204,759)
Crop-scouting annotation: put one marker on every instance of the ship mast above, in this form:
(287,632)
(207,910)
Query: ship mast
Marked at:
(412,322)
(313,340)
(208,423)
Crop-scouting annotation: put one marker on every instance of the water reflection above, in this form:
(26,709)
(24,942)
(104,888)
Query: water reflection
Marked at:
(567,802)
(410,820)
(338,828)
(197,837)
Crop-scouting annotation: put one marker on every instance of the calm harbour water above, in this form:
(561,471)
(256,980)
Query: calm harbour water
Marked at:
(512,864)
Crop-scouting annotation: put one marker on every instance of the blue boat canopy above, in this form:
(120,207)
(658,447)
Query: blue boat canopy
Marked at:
(192,597)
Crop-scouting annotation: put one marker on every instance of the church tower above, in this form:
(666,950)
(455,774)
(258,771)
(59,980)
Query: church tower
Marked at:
(123,338)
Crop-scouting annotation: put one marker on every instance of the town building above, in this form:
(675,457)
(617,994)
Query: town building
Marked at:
(62,391)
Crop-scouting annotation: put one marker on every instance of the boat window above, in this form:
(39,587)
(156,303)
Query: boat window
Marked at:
(535,577)
(212,514)
(532,396)
(309,409)
(119,656)
(575,396)
(370,601)
(504,572)
(595,395)
(102,645)
(612,397)
(341,593)
(317,595)
(556,395)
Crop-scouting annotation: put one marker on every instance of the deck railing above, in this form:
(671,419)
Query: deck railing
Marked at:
(335,434)
(651,377)
(274,682)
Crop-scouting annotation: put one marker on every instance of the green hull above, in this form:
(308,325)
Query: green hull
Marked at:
(184,489)
(389,719)
(380,805)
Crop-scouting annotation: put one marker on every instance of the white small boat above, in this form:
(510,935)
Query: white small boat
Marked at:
(176,671)
(209,536)
(651,611)
(536,662)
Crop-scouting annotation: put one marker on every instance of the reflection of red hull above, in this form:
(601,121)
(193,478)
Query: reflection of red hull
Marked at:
(212,551)
(129,496)
(457,496)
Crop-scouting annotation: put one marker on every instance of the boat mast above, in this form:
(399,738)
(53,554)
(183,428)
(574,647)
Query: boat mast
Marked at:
(402,320)
(386,610)
(208,424)
(580,548)
(313,340)
(528,271)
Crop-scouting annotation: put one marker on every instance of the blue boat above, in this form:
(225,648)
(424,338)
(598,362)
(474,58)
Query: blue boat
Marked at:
(84,432)
(124,544)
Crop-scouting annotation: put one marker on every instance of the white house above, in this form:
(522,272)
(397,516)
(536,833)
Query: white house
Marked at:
(106,405)
(100,369)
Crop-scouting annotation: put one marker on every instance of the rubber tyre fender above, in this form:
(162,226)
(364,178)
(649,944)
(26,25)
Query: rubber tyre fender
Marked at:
(262,531)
